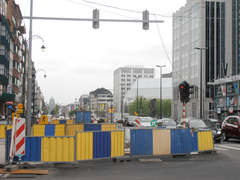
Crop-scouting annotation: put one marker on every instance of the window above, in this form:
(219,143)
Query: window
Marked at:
(14,20)
(2,50)
(151,76)
(1,69)
(145,76)
(123,75)
(122,79)
(128,75)
(3,30)
(128,79)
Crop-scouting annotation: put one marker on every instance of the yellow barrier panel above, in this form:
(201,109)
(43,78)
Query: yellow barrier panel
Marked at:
(38,130)
(72,128)
(60,130)
(14,115)
(55,121)
(2,130)
(57,149)
(205,140)
(117,143)
(69,121)
(161,142)
(84,143)
(108,127)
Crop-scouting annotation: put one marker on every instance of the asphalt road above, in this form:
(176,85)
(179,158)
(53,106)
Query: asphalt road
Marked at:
(207,166)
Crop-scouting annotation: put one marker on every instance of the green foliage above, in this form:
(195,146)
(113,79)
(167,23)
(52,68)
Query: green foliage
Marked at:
(52,112)
(166,106)
(72,112)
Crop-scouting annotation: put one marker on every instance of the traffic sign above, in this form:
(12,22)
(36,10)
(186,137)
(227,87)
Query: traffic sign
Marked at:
(153,123)
(44,119)
(20,106)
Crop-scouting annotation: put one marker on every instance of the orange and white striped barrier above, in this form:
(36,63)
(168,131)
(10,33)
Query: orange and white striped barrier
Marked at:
(17,147)
(138,122)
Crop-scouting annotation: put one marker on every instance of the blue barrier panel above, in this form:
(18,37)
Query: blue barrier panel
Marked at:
(32,149)
(8,140)
(101,144)
(142,142)
(92,127)
(50,130)
(62,121)
(194,142)
(180,141)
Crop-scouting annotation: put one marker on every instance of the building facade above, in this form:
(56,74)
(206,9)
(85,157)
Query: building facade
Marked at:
(99,101)
(124,78)
(205,35)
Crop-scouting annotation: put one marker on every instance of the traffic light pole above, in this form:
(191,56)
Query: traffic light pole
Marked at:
(184,125)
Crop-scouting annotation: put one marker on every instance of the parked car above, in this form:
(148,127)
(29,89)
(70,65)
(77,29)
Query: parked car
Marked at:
(129,120)
(216,122)
(144,121)
(199,124)
(231,128)
(120,121)
(167,122)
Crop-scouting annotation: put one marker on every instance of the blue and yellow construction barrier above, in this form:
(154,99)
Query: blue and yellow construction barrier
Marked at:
(2,130)
(169,141)
(48,130)
(72,128)
(88,145)
(94,145)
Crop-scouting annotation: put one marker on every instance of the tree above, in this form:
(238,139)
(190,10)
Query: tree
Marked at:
(166,106)
(72,112)
(52,112)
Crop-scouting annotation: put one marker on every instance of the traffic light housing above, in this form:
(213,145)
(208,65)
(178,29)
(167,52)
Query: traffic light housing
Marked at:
(96,18)
(185,90)
(146,18)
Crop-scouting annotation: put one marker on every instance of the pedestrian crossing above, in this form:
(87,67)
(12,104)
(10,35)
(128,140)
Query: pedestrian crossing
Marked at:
(225,147)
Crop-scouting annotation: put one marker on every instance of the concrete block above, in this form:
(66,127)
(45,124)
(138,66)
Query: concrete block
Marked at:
(122,159)
(11,168)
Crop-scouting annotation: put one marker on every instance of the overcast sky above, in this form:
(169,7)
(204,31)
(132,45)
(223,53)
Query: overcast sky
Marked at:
(79,59)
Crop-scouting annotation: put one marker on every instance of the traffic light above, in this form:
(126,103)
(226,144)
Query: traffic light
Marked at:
(96,19)
(185,90)
(146,17)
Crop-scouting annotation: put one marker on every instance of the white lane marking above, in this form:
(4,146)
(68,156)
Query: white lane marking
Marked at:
(229,147)
(221,149)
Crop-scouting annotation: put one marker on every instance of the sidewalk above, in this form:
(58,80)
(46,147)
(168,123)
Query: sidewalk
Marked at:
(2,150)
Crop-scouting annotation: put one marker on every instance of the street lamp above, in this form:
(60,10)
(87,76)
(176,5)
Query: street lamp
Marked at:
(122,84)
(137,92)
(45,76)
(160,88)
(29,80)
(201,49)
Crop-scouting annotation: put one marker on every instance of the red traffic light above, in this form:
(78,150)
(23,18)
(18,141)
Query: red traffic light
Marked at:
(182,87)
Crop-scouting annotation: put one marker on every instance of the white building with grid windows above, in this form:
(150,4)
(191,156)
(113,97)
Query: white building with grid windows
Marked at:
(124,78)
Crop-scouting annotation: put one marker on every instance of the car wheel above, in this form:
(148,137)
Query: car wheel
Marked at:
(218,141)
(224,136)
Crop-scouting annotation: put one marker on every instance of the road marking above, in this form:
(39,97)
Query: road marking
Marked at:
(229,147)
(222,149)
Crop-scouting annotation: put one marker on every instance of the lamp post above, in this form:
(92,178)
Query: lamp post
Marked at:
(160,88)
(121,100)
(200,49)
(137,92)
(45,75)
(29,80)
